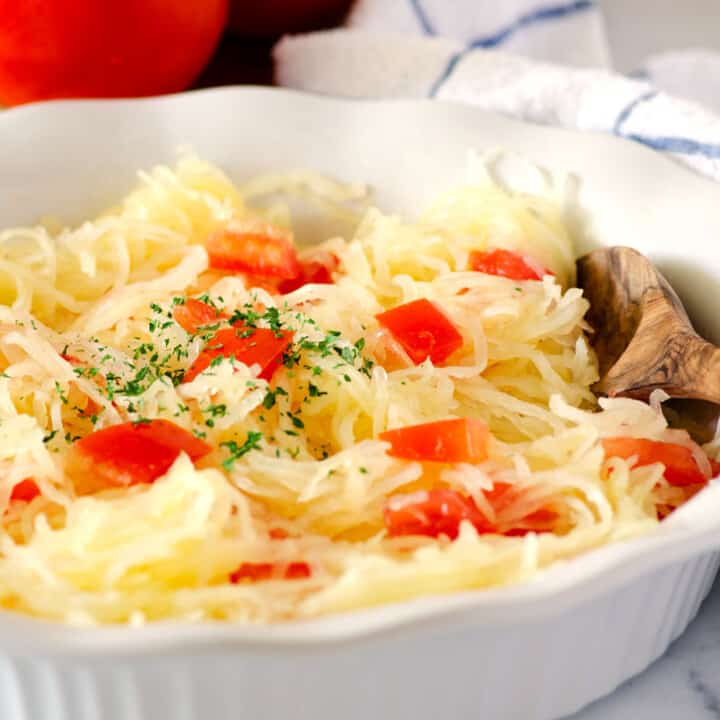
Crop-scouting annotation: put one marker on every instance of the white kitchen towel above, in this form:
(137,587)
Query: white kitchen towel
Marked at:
(443,49)
(533,29)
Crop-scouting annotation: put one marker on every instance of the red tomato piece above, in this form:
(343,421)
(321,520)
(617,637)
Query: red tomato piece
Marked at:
(542,520)
(312,271)
(440,512)
(423,330)
(714,467)
(436,512)
(278,534)
(130,454)
(194,314)
(252,572)
(262,282)
(266,252)
(447,441)
(83,48)
(681,468)
(297,571)
(262,346)
(506,263)
(25,491)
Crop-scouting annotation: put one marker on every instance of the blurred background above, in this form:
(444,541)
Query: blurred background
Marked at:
(81,48)
(636,29)
(244,53)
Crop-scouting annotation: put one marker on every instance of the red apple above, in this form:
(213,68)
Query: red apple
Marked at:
(104,48)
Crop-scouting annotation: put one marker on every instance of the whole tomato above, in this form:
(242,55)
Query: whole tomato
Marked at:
(104,48)
(269,18)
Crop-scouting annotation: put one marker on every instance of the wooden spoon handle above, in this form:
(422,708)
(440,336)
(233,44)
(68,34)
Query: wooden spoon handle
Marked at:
(682,364)
(699,371)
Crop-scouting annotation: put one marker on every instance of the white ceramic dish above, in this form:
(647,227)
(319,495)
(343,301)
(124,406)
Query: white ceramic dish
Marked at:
(535,651)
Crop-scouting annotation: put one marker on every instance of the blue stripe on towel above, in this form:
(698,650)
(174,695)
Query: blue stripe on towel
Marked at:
(540,15)
(628,110)
(449,67)
(422,18)
(684,146)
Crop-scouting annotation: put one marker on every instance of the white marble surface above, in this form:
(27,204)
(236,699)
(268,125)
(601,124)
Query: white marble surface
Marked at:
(683,685)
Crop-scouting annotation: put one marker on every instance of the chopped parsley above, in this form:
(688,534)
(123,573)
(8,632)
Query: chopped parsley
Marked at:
(219,410)
(314,391)
(296,421)
(271,397)
(214,411)
(61,393)
(252,442)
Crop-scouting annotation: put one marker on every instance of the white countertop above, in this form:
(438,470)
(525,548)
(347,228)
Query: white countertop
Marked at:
(683,685)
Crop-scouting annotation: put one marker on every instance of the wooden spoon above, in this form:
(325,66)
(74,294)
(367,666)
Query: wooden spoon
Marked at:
(645,341)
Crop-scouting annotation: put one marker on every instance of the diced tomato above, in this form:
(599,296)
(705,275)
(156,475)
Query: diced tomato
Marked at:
(264,251)
(252,572)
(714,467)
(436,512)
(448,441)
(251,346)
(130,454)
(423,330)
(506,264)
(681,468)
(312,271)
(259,282)
(278,534)
(454,440)
(440,512)
(542,520)
(71,359)
(25,491)
(297,571)
(194,314)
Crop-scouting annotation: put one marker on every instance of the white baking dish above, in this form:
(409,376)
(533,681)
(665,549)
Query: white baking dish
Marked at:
(533,652)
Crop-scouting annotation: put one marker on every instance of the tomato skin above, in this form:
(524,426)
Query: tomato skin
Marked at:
(505,263)
(278,534)
(542,520)
(681,467)
(194,314)
(25,491)
(262,347)
(253,572)
(447,441)
(311,271)
(423,330)
(440,513)
(130,454)
(297,571)
(85,48)
(266,252)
